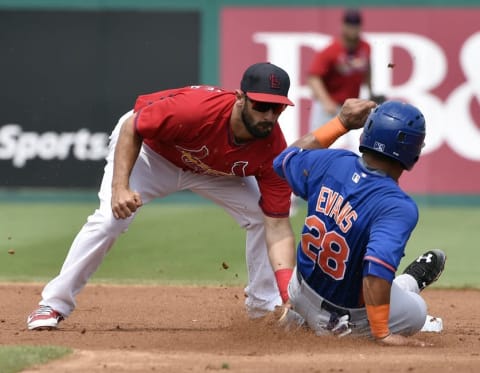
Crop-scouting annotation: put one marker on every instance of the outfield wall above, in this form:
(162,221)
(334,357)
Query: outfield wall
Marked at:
(69,68)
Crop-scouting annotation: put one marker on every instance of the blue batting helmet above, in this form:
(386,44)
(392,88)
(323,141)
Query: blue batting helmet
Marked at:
(396,130)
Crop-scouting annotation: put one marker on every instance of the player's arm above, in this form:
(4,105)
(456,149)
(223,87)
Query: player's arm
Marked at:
(376,292)
(279,236)
(322,63)
(320,92)
(387,240)
(353,115)
(281,251)
(125,201)
(368,80)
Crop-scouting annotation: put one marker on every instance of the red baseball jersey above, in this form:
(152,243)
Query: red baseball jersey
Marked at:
(343,72)
(190,127)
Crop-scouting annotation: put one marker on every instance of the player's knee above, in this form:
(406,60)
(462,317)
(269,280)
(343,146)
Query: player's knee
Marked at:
(418,319)
(415,316)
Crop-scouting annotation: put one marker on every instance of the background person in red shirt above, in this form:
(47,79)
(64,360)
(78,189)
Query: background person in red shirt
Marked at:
(219,144)
(338,71)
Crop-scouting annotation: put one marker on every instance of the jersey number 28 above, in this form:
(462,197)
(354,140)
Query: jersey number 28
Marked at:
(330,250)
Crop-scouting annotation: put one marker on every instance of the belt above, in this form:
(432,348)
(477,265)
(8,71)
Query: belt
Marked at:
(325,304)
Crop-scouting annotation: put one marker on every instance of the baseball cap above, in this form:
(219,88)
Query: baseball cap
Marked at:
(266,82)
(352,17)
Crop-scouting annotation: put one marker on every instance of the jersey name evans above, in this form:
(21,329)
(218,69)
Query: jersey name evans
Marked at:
(330,203)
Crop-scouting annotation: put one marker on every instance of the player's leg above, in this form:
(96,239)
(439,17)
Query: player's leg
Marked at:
(408,311)
(419,274)
(310,309)
(98,234)
(239,197)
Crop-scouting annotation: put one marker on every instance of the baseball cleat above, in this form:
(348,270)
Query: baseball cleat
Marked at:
(44,318)
(427,268)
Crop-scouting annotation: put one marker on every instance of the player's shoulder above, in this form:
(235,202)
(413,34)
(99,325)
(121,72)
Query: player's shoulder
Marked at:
(334,46)
(335,154)
(325,159)
(206,92)
(207,102)
(398,201)
(189,95)
(364,44)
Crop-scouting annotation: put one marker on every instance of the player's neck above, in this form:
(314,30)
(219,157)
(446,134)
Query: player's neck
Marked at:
(391,168)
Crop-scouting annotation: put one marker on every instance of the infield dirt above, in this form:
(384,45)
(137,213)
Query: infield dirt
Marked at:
(202,329)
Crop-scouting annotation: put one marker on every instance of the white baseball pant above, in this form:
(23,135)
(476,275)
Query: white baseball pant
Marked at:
(155,177)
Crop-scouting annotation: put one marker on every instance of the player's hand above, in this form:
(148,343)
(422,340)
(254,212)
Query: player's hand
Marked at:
(355,111)
(125,202)
(400,340)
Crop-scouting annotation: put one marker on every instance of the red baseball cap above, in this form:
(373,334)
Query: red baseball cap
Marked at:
(266,82)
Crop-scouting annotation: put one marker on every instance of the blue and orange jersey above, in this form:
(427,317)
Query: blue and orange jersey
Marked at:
(358,221)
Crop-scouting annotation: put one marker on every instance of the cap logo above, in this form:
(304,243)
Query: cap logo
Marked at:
(274,82)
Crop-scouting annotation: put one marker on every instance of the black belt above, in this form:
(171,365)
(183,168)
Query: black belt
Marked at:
(325,304)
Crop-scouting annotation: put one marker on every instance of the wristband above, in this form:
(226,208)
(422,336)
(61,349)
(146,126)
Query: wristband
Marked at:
(329,132)
(283,278)
(378,319)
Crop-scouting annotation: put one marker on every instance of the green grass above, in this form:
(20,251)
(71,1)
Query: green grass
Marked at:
(456,230)
(16,358)
(188,242)
(166,243)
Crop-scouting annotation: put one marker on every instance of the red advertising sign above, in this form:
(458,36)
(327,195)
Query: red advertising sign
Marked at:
(426,56)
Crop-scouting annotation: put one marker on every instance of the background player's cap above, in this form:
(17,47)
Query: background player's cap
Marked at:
(352,17)
(266,82)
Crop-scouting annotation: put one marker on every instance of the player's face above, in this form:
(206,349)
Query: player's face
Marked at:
(260,117)
(351,33)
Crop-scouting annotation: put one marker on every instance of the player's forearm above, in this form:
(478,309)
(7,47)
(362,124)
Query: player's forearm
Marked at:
(353,115)
(281,251)
(126,153)
(280,242)
(319,90)
(322,137)
(368,80)
(376,293)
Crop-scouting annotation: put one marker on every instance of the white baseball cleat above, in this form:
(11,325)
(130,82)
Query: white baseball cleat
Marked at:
(44,318)
(432,324)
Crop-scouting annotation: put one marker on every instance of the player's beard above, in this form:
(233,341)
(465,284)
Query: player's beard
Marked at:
(259,130)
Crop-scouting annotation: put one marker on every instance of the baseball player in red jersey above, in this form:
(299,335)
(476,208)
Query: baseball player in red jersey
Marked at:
(338,71)
(219,144)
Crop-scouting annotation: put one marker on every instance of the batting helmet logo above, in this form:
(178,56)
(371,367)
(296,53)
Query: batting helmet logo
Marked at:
(378,146)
